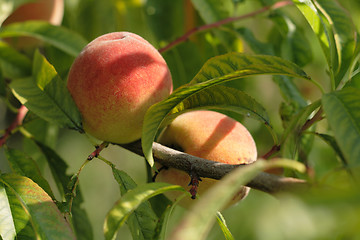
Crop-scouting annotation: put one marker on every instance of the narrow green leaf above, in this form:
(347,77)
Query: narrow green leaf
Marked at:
(330,140)
(223,98)
(344,35)
(129,202)
(46,220)
(7,226)
(221,221)
(47,96)
(25,166)
(60,37)
(13,64)
(342,110)
(58,168)
(288,89)
(320,28)
(142,222)
(199,219)
(233,66)
(160,230)
(291,137)
(217,70)
(21,219)
(335,31)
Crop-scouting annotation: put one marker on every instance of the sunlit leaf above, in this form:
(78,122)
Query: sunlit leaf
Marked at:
(60,37)
(129,202)
(142,221)
(342,110)
(198,220)
(217,70)
(335,31)
(7,226)
(221,221)
(47,96)
(36,208)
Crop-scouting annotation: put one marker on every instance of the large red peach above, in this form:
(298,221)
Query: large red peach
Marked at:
(210,135)
(113,81)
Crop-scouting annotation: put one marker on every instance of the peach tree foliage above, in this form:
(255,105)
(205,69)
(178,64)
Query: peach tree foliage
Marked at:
(210,71)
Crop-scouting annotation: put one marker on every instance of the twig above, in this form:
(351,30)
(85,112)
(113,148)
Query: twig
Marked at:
(222,22)
(317,117)
(273,150)
(17,122)
(97,151)
(204,168)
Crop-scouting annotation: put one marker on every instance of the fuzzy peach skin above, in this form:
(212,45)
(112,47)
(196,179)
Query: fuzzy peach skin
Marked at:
(113,81)
(210,135)
(51,11)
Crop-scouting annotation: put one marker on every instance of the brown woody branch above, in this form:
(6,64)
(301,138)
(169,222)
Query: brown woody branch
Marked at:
(204,168)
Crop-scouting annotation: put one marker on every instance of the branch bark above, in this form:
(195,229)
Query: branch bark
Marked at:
(169,157)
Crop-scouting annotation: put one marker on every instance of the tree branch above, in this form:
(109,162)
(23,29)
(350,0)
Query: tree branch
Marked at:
(205,168)
(222,22)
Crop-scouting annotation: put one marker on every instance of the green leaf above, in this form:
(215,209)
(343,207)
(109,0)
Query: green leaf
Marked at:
(212,11)
(256,46)
(223,98)
(293,45)
(330,140)
(142,222)
(342,110)
(221,221)
(36,207)
(129,202)
(198,220)
(58,168)
(217,70)
(344,35)
(25,166)
(7,226)
(164,18)
(13,63)
(60,37)
(291,137)
(47,96)
(335,31)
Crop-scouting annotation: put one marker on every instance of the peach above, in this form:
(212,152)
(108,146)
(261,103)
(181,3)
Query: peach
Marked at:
(113,81)
(210,135)
(51,11)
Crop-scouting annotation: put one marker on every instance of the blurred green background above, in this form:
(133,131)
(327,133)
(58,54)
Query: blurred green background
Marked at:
(259,216)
